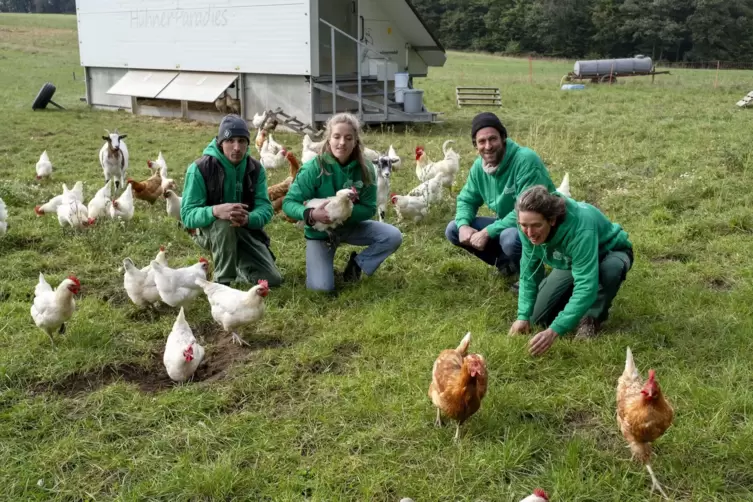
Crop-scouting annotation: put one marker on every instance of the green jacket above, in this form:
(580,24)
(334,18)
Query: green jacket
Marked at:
(578,243)
(312,184)
(193,209)
(520,169)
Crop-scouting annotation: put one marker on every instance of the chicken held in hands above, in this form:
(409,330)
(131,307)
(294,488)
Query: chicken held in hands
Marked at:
(53,308)
(183,354)
(234,309)
(643,414)
(339,207)
(458,383)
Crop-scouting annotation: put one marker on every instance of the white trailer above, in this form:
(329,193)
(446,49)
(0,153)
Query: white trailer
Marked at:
(175,58)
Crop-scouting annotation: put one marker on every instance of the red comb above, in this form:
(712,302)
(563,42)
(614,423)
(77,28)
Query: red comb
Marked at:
(162,248)
(651,375)
(263,283)
(540,493)
(203,260)
(419,149)
(75,280)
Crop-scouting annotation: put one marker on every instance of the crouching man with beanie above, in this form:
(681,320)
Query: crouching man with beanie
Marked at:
(501,172)
(225,200)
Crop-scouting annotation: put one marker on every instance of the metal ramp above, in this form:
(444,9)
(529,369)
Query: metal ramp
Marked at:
(746,101)
(291,122)
(478,96)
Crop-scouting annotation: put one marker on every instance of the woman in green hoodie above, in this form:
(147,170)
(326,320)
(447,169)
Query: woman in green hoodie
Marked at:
(340,165)
(589,255)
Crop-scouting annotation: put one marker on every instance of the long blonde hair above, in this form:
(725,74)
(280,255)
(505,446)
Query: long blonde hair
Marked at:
(356,154)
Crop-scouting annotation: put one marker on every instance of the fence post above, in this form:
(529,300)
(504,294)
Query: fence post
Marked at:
(716,79)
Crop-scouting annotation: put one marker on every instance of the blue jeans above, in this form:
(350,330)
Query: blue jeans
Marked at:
(502,253)
(382,240)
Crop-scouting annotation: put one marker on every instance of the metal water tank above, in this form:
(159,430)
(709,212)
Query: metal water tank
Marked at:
(596,67)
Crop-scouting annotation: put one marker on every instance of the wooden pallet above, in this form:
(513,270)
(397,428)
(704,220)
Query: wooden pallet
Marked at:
(478,96)
(747,100)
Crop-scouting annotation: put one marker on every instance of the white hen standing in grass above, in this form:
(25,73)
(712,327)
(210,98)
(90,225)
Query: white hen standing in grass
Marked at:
(3,218)
(177,286)
(122,207)
(234,309)
(99,205)
(53,308)
(44,166)
(139,284)
(183,354)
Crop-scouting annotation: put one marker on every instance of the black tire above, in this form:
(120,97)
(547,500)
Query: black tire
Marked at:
(44,96)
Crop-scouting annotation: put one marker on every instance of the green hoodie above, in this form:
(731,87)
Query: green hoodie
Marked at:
(577,243)
(312,184)
(520,169)
(193,209)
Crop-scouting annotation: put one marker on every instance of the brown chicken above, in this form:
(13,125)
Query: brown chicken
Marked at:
(149,190)
(643,414)
(278,192)
(458,383)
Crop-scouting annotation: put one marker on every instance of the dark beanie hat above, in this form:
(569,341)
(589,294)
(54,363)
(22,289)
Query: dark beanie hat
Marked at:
(232,126)
(487,119)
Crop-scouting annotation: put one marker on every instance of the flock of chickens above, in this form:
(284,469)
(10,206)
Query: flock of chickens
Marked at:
(459,379)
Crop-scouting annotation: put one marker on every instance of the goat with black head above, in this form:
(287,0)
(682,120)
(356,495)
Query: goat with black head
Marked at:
(113,157)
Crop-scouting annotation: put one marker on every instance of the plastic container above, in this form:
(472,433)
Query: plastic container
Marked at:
(572,87)
(401,80)
(400,95)
(413,100)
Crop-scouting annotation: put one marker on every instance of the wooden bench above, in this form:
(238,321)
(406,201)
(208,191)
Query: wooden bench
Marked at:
(478,96)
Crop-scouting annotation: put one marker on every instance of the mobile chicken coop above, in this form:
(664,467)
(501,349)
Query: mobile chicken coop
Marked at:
(185,58)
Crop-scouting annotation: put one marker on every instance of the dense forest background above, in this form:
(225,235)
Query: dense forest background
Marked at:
(670,30)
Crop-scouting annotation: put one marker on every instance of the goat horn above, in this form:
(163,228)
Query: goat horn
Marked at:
(108,132)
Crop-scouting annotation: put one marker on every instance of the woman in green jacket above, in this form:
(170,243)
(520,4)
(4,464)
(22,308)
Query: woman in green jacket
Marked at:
(589,255)
(340,165)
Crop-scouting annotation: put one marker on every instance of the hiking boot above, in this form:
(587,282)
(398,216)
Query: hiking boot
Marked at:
(588,328)
(507,269)
(352,271)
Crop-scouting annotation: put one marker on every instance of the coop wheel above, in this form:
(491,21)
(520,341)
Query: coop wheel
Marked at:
(44,97)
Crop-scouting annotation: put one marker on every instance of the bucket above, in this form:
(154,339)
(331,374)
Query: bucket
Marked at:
(572,87)
(400,95)
(413,100)
(401,80)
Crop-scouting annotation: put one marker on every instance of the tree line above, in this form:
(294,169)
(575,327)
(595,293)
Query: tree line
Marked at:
(673,30)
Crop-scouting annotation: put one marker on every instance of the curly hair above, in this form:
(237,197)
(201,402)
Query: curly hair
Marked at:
(357,154)
(537,199)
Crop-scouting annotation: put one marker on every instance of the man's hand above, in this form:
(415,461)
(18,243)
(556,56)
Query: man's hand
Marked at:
(465,233)
(320,214)
(240,221)
(230,211)
(540,343)
(480,239)
(519,327)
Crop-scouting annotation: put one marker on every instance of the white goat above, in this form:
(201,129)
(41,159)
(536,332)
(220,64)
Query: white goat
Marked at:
(384,166)
(113,157)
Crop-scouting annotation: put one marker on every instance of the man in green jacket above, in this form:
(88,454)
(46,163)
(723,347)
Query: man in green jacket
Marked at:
(225,199)
(501,172)
(590,257)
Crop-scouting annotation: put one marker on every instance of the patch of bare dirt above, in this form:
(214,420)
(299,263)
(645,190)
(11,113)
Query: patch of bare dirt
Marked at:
(719,284)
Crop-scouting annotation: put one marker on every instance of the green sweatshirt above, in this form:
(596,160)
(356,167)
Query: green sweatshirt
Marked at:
(520,169)
(193,209)
(577,243)
(311,184)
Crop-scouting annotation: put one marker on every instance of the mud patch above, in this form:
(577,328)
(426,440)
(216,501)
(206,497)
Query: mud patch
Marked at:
(719,285)
(677,257)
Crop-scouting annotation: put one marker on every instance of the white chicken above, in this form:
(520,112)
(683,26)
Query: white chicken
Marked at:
(183,354)
(100,203)
(410,207)
(172,204)
(396,160)
(339,209)
(161,165)
(3,218)
(44,166)
(564,187)
(310,148)
(446,168)
(122,207)
(538,495)
(234,309)
(430,190)
(272,159)
(259,119)
(177,286)
(53,308)
(139,284)
(72,212)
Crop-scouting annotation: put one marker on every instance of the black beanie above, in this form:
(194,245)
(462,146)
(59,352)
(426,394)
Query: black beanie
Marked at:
(232,126)
(487,119)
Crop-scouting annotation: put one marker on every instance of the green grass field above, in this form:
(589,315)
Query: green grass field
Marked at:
(330,402)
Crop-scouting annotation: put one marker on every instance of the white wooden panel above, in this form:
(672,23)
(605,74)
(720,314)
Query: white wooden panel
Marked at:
(193,86)
(144,84)
(249,36)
